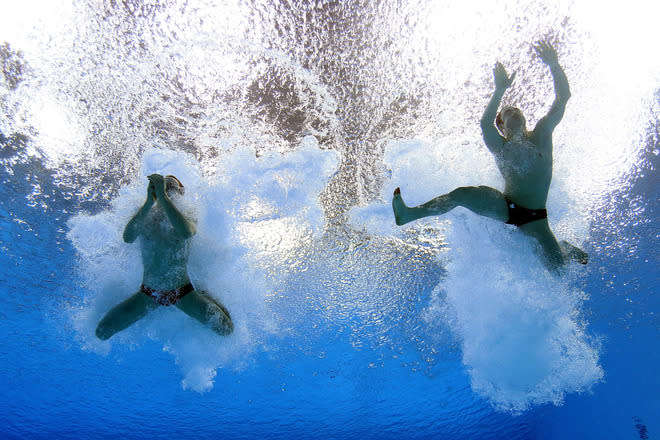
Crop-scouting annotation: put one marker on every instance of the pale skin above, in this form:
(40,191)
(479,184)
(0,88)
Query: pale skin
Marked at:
(163,231)
(525,161)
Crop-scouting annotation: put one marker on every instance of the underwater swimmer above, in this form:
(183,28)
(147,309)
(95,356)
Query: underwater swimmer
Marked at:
(525,161)
(164,232)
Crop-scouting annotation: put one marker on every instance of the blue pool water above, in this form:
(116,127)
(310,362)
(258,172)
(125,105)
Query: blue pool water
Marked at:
(291,123)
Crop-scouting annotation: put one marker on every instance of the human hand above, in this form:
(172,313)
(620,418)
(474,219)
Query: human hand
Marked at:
(502,79)
(151,192)
(546,52)
(157,181)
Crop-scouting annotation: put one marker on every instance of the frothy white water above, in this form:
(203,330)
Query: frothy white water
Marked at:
(522,334)
(523,338)
(423,68)
(255,209)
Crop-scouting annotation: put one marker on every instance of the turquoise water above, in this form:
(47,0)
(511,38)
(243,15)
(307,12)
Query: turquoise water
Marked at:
(290,125)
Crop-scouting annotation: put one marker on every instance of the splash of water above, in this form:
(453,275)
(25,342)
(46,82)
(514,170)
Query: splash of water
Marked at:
(101,82)
(521,331)
(257,209)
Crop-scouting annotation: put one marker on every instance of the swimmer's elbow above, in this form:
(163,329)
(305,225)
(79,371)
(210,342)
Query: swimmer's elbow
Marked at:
(131,232)
(563,94)
(129,237)
(189,231)
(192,228)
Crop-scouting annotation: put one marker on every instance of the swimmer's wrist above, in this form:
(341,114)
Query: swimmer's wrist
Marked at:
(165,197)
(160,192)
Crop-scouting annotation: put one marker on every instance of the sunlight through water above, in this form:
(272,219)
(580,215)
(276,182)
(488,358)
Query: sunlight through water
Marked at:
(290,125)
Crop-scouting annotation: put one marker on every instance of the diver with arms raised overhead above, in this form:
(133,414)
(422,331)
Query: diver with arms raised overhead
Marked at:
(525,161)
(164,232)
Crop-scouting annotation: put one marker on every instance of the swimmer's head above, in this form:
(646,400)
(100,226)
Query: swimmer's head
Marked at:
(173,185)
(510,120)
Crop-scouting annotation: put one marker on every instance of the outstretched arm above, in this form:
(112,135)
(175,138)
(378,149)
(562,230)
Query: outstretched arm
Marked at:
(548,54)
(181,225)
(491,136)
(134,227)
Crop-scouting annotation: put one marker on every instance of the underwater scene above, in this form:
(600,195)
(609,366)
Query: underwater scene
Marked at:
(293,305)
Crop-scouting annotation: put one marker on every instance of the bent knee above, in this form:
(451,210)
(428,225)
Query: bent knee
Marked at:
(462,191)
(228,328)
(103,333)
(224,327)
(220,320)
(469,193)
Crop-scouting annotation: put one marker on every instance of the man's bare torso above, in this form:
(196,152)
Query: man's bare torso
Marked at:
(164,253)
(527,171)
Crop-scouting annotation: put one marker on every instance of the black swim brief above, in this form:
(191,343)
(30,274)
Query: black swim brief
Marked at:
(519,215)
(167,297)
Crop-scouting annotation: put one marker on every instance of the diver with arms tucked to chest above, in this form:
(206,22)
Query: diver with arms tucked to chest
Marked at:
(164,232)
(525,161)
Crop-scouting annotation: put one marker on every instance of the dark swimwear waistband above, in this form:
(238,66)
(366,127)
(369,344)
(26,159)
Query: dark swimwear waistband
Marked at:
(167,297)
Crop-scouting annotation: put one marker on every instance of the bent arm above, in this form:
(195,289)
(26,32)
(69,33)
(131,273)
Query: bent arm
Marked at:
(491,136)
(562,90)
(562,94)
(181,225)
(134,227)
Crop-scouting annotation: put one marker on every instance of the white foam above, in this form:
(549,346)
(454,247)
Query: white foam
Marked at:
(250,202)
(520,327)
(522,335)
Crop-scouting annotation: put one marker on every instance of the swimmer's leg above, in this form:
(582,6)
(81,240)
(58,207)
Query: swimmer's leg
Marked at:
(481,200)
(574,253)
(199,305)
(124,314)
(551,253)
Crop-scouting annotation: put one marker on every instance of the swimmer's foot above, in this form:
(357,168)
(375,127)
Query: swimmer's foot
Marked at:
(574,253)
(401,211)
